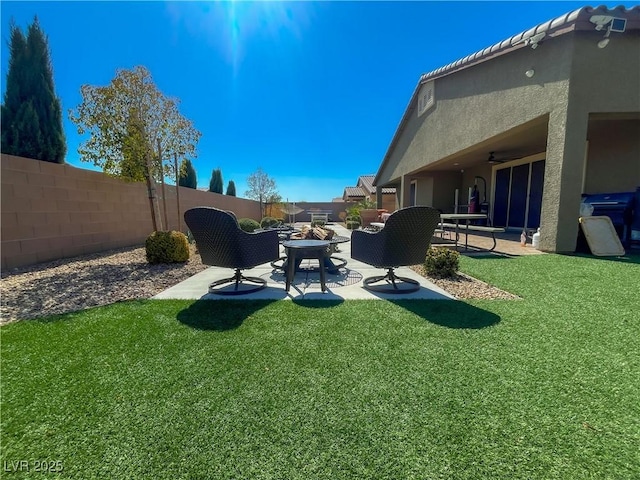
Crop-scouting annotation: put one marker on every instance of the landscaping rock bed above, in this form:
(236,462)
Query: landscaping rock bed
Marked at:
(463,286)
(88,281)
(103,278)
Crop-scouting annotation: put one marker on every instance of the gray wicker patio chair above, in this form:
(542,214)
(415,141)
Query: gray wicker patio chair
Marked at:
(222,243)
(403,241)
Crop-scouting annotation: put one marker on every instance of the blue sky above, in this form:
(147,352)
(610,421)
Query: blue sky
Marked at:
(311,92)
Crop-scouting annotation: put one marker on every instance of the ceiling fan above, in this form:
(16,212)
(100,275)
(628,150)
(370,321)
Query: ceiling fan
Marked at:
(493,160)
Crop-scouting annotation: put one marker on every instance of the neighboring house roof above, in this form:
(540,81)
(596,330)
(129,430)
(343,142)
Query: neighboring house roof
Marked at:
(354,192)
(365,187)
(575,20)
(366,182)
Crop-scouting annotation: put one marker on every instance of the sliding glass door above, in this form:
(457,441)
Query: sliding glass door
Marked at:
(518,195)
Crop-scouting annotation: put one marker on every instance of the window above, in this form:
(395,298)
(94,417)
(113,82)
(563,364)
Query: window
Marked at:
(426,98)
(413,191)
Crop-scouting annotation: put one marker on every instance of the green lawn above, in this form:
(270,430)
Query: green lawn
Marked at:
(540,388)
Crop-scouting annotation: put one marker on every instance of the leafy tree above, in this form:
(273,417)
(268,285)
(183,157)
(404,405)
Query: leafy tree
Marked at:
(262,188)
(130,168)
(231,188)
(216,185)
(31,112)
(188,177)
(274,198)
(133,129)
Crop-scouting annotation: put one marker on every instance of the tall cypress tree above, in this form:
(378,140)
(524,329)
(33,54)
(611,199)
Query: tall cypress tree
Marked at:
(216,185)
(231,188)
(31,112)
(14,95)
(188,177)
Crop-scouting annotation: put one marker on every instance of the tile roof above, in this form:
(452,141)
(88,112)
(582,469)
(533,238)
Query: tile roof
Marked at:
(354,192)
(366,182)
(575,20)
(366,188)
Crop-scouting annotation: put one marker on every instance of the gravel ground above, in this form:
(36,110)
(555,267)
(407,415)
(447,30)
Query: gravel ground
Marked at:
(463,286)
(99,279)
(88,281)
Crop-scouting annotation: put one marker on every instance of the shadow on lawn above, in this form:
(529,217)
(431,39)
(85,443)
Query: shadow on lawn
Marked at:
(219,315)
(450,314)
(318,303)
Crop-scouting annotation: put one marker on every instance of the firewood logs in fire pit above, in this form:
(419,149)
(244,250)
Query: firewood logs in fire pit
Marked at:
(313,233)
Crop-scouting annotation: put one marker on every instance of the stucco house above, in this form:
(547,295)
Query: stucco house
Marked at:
(534,121)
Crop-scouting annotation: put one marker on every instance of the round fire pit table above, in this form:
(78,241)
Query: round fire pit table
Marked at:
(332,263)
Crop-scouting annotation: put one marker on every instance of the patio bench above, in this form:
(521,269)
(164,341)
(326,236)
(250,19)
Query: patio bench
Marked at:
(319,217)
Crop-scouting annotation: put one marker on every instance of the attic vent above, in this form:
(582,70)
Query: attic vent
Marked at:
(426,98)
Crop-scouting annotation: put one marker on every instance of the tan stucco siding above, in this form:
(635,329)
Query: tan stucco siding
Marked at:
(573,81)
(606,79)
(614,156)
(593,88)
(481,102)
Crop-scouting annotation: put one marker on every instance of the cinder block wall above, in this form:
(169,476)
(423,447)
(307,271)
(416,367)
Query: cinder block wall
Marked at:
(52,211)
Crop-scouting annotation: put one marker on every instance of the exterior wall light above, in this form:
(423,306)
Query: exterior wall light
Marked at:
(530,73)
(531,41)
(613,24)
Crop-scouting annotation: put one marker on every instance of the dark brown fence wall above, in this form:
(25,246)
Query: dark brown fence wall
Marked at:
(334,207)
(52,211)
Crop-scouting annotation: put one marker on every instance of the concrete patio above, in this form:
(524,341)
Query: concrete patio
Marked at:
(306,284)
(346,285)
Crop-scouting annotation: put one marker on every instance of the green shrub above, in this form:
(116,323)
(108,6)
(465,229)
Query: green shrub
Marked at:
(267,222)
(353,211)
(367,204)
(353,222)
(441,262)
(167,247)
(248,224)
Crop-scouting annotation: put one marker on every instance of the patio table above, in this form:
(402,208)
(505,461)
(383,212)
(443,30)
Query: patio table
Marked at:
(467,217)
(298,250)
(332,264)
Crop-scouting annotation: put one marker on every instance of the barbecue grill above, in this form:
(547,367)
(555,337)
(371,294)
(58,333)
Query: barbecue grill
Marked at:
(619,207)
(635,223)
